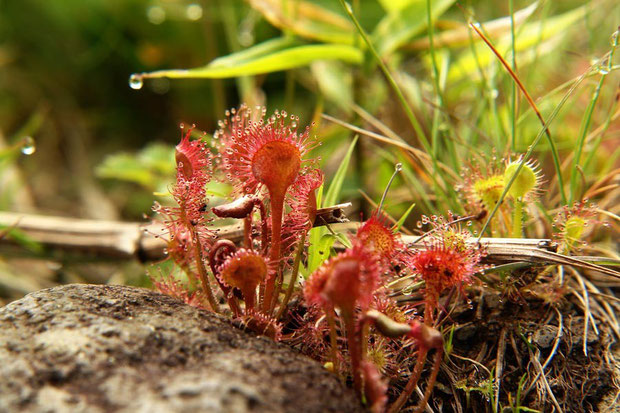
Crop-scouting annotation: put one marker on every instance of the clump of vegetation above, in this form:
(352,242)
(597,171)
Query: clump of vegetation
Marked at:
(369,302)
(347,301)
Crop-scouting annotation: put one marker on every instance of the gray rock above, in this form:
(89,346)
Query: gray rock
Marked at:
(87,348)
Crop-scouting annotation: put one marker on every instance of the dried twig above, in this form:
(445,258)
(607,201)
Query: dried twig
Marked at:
(64,238)
(531,250)
(537,365)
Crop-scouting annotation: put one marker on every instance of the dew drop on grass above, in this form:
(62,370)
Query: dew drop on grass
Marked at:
(156,14)
(28,146)
(193,12)
(603,70)
(135,81)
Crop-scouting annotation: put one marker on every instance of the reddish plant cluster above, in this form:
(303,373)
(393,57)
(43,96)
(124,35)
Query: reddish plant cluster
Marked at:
(352,289)
(264,161)
(346,316)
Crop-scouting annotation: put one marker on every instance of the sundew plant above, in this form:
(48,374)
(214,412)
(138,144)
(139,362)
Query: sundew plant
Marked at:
(477,279)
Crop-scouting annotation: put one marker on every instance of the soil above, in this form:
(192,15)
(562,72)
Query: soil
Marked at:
(87,348)
(523,334)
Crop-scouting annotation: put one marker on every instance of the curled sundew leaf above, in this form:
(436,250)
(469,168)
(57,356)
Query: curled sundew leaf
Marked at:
(306,19)
(252,62)
(461,36)
(399,26)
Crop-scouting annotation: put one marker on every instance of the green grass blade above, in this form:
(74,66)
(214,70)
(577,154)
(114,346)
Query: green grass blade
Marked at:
(403,101)
(401,221)
(530,150)
(320,240)
(585,125)
(333,192)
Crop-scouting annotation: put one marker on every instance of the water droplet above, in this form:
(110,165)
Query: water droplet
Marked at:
(603,70)
(135,81)
(28,146)
(348,7)
(156,14)
(494,93)
(398,167)
(193,12)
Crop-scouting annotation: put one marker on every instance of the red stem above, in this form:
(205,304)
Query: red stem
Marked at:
(413,380)
(431,381)
(417,371)
(249,296)
(264,230)
(247,231)
(291,285)
(333,340)
(355,350)
(277,208)
(202,272)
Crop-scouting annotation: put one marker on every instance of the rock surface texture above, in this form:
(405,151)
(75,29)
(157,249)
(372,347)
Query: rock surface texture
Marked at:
(87,348)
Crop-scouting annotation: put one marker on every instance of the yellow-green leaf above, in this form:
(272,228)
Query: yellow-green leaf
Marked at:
(398,27)
(533,40)
(253,63)
(306,19)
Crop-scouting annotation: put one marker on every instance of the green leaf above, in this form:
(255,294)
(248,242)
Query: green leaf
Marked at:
(320,238)
(333,192)
(321,252)
(401,25)
(402,219)
(265,60)
(461,36)
(149,168)
(21,238)
(394,5)
(251,53)
(306,19)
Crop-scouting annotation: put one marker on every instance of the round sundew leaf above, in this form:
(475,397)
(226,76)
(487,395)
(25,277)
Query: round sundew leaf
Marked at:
(525,181)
